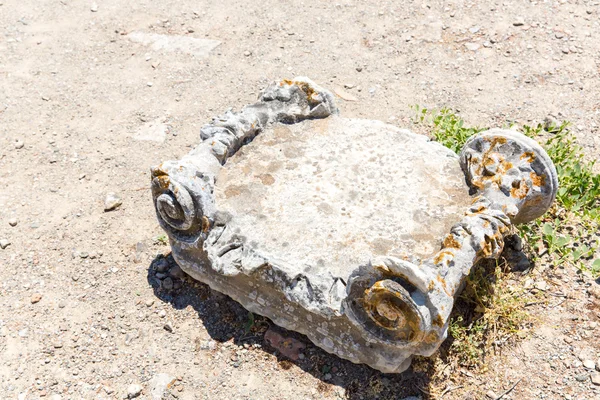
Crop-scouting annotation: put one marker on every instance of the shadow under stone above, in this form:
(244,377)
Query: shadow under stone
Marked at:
(226,320)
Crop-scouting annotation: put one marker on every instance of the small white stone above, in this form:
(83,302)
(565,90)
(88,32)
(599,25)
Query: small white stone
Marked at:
(472,46)
(589,364)
(4,243)
(134,390)
(13,222)
(19,144)
(112,201)
(159,385)
(94,7)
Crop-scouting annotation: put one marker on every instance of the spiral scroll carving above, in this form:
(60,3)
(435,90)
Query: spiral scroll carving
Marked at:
(512,171)
(176,209)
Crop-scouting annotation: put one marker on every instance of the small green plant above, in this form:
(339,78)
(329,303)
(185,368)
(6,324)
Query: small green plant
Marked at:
(489,311)
(161,239)
(565,234)
(249,323)
(448,128)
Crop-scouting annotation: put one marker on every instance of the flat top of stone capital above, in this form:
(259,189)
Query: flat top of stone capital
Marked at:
(338,192)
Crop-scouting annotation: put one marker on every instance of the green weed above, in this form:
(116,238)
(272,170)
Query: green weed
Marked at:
(489,311)
(566,233)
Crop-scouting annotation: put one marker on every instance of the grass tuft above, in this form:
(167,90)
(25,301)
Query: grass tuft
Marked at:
(490,311)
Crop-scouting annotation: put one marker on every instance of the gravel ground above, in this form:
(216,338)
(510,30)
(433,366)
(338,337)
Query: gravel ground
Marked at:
(92,308)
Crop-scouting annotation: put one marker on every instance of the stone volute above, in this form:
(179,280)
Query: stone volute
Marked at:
(353,232)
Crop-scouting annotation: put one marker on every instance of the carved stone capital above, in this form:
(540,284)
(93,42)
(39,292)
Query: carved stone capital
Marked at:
(353,232)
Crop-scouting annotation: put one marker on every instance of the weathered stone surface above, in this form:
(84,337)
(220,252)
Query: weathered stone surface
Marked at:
(335,193)
(353,232)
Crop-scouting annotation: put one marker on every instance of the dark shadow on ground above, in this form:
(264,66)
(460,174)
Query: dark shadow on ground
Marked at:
(226,320)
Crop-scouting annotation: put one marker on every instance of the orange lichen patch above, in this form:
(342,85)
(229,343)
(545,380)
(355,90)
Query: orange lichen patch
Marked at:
(519,190)
(158,171)
(480,208)
(432,337)
(490,244)
(537,180)
(305,87)
(442,281)
(495,140)
(438,321)
(163,181)
(529,156)
(451,242)
(431,286)
(205,224)
(439,257)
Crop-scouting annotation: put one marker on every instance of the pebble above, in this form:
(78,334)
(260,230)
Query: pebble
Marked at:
(559,35)
(519,21)
(472,46)
(149,302)
(94,7)
(134,390)
(19,144)
(474,29)
(13,222)
(36,298)
(581,377)
(247,53)
(541,285)
(490,394)
(208,345)
(159,385)
(162,313)
(589,364)
(596,378)
(4,243)
(112,201)
(168,327)
(161,265)
(176,272)
(167,284)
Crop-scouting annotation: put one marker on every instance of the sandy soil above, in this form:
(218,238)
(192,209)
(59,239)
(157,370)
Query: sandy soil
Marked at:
(83,314)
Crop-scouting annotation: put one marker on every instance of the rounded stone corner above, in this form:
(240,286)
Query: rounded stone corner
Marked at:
(512,171)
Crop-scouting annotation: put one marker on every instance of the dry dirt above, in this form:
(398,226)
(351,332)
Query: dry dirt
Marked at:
(83,314)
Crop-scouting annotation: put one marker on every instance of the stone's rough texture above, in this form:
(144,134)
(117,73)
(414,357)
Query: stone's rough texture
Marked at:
(320,194)
(353,232)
